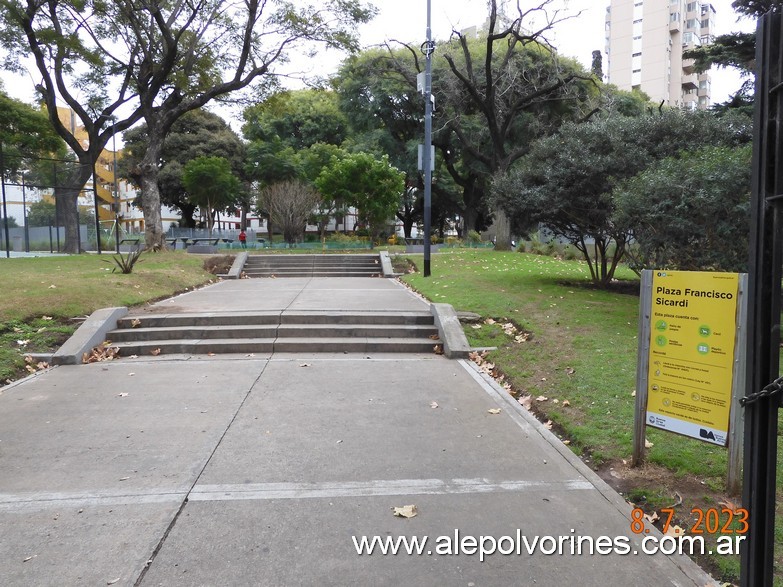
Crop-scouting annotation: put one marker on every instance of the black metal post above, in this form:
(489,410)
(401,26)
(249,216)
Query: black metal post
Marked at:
(766,260)
(24,217)
(429,48)
(95,205)
(5,211)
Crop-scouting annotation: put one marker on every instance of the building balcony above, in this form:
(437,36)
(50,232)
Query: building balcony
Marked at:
(690,82)
(675,26)
(688,66)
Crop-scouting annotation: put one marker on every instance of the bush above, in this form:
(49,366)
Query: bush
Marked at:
(473,237)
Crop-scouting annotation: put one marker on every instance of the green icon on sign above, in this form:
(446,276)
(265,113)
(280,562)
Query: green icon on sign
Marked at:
(661,325)
(704,331)
(661,340)
(703,349)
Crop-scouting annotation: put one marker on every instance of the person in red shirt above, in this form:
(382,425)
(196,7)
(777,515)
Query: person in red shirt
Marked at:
(243,239)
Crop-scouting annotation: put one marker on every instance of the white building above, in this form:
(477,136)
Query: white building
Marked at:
(645,40)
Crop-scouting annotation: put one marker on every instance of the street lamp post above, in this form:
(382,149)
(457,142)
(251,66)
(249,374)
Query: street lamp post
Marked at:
(428,48)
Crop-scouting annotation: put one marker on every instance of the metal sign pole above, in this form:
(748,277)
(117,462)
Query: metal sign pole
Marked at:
(428,48)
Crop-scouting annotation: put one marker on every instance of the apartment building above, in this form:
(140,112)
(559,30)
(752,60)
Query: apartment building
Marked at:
(645,41)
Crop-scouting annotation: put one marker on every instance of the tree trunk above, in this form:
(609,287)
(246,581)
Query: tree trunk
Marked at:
(502,231)
(150,196)
(66,196)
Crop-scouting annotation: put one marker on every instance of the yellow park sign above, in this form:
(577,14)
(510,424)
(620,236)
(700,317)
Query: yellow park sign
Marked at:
(693,322)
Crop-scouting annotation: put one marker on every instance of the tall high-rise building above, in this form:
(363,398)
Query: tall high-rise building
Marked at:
(645,40)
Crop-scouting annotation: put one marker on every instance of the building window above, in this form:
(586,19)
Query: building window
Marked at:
(637,71)
(636,55)
(705,24)
(691,6)
(638,21)
(639,38)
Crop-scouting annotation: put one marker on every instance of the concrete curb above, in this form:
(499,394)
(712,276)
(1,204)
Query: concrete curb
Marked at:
(90,334)
(386,264)
(455,344)
(527,421)
(236,269)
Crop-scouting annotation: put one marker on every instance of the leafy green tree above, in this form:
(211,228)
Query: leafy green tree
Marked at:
(211,185)
(507,88)
(162,59)
(297,119)
(736,50)
(372,185)
(197,134)
(567,180)
(44,213)
(690,212)
(25,133)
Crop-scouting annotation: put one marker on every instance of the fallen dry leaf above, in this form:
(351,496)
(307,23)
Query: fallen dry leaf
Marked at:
(155,352)
(434,337)
(566,403)
(566,442)
(210,354)
(555,401)
(433,405)
(29,558)
(101,353)
(729,505)
(542,398)
(548,424)
(438,349)
(46,318)
(305,365)
(633,393)
(113,581)
(406,511)
(652,518)
(494,411)
(570,370)
(52,286)
(648,444)
(675,531)
(526,401)
(135,323)
(122,394)
(476,326)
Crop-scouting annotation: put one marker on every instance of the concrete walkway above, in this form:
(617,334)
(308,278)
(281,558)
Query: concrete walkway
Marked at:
(262,470)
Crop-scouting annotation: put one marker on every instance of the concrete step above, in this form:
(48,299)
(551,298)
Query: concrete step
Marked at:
(307,273)
(313,266)
(286,345)
(272,318)
(272,331)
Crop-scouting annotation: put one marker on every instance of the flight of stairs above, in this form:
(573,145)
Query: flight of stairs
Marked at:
(313,266)
(279,332)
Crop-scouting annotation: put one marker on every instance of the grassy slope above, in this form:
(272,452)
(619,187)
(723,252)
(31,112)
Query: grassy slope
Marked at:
(42,296)
(583,349)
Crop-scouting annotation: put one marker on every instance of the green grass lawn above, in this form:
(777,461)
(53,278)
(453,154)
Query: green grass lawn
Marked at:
(581,356)
(44,297)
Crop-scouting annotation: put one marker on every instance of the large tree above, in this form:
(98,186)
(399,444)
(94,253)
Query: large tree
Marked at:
(74,73)
(506,88)
(690,212)
(371,185)
(567,180)
(197,134)
(168,58)
(211,185)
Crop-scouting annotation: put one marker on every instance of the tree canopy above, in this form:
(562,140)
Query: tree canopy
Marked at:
(211,185)
(372,185)
(198,133)
(567,181)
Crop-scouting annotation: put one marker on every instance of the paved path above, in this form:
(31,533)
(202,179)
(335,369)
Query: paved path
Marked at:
(260,470)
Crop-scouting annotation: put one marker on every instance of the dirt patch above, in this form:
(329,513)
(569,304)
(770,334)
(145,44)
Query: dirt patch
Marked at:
(219,265)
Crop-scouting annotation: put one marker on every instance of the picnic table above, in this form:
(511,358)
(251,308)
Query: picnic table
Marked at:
(212,240)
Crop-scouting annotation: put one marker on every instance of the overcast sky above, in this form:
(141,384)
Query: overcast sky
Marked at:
(406,20)
(576,37)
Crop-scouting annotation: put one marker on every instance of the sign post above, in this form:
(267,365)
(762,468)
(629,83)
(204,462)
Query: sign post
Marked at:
(689,355)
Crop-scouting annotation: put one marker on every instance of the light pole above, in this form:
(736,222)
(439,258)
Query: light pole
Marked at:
(428,48)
